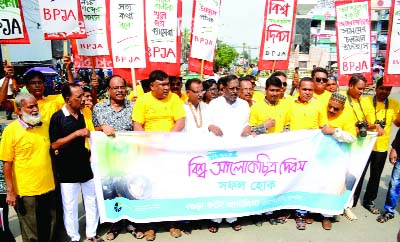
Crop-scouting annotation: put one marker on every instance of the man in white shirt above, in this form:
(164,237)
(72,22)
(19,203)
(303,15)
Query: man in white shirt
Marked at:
(196,110)
(229,117)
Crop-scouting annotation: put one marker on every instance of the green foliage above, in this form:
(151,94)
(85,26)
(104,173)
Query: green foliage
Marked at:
(224,55)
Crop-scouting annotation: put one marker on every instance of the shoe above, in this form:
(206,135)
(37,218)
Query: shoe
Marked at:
(258,220)
(300,221)
(372,209)
(95,239)
(283,217)
(174,232)
(384,217)
(326,224)
(349,214)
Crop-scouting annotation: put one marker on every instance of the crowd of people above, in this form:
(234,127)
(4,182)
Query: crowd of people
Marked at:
(44,186)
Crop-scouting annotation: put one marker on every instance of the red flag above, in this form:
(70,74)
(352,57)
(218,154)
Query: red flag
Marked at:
(12,25)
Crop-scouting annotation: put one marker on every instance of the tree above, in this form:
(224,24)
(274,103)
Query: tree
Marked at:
(224,55)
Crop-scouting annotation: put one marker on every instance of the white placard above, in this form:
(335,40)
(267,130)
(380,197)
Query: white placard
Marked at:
(127,33)
(11,25)
(394,52)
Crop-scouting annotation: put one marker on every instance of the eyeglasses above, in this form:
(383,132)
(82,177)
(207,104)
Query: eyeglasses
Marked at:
(232,89)
(319,79)
(120,88)
(284,84)
(197,92)
(334,108)
(175,84)
(214,89)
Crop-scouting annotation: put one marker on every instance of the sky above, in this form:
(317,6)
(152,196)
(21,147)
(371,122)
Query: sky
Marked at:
(240,21)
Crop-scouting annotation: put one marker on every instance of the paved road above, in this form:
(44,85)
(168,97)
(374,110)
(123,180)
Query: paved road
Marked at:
(365,229)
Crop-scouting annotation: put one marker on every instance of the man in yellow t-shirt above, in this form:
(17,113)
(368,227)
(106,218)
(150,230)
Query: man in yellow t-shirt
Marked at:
(386,111)
(320,78)
(306,112)
(271,114)
(159,110)
(28,173)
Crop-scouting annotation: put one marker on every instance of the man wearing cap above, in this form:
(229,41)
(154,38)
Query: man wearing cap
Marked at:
(341,129)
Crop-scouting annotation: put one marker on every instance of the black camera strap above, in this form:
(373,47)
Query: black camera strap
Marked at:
(386,101)
(354,111)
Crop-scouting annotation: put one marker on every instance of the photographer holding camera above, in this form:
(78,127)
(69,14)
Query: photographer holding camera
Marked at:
(364,119)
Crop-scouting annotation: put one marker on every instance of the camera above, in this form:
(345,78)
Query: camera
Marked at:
(362,127)
(382,123)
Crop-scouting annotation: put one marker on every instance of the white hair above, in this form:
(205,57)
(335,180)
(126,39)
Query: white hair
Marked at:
(22,96)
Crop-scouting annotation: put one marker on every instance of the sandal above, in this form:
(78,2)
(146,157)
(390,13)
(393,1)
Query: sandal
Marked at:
(136,232)
(96,239)
(112,234)
(213,227)
(372,209)
(236,226)
(384,217)
(150,235)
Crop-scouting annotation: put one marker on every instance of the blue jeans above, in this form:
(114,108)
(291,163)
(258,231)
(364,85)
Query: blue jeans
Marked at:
(392,195)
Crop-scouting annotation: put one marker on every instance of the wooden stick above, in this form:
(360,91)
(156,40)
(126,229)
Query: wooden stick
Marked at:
(202,70)
(273,66)
(65,42)
(5,52)
(92,59)
(134,82)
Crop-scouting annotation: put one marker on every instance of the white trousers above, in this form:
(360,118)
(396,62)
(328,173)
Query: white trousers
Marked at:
(228,220)
(70,197)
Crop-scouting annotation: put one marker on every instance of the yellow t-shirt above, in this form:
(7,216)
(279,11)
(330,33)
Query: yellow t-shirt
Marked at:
(261,111)
(258,96)
(358,112)
(344,122)
(382,142)
(28,149)
(139,92)
(323,98)
(58,100)
(310,115)
(158,115)
(87,115)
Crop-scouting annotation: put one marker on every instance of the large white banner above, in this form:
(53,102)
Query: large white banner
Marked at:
(205,29)
(394,52)
(353,23)
(94,14)
(174,176)
(127,33)
(162,30)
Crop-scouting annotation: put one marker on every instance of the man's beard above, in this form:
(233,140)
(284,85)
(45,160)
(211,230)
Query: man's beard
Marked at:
(31,119)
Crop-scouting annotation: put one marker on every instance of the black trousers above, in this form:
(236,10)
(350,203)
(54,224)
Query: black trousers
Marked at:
(5,235)
(376,163)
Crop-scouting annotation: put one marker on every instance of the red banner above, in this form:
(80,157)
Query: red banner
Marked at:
(62,20)
(359,42)
(391,75)
(12,25)
(279,19)
(203,19)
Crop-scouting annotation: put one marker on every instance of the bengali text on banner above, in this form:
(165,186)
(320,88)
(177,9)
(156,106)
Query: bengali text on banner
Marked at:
(147,177)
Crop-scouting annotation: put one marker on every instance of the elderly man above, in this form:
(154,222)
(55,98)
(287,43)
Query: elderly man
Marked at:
(196,110)
(228,118)
(72,161)
(159,111)
(111,116)
(28,173)
(246,90)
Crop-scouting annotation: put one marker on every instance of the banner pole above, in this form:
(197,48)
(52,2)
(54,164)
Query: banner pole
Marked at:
(134,82)
(273,66)
(6,54)
(65,45)
(202,70)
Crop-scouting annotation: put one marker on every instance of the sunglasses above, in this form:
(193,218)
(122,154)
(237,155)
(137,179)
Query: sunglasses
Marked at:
(284,84)
(319,79)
